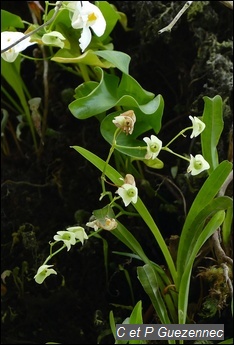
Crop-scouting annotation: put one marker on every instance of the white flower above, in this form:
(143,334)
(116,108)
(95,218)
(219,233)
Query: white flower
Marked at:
(10,37)
(125,121)
(128,191)
(68,237)
(198,126)
(43,272)
(106,224)
(197,165)
(86,16)
(154,146)
(54,38)
(79,232)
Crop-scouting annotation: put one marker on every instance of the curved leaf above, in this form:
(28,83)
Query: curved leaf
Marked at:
(118,59)
(109,93)
(151,283)
(88,58)
(189,240)
(209,229)
(9,20)
(206,194)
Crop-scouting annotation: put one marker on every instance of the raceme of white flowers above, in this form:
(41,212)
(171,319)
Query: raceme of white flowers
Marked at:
(198,126)
(10,37)
(128,191)
(154,146)
(70,235)
(43,272)
(197,165)
(86,16)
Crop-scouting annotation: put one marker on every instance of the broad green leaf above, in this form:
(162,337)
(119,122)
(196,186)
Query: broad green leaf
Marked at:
(112,323)
(206,194)
(10,20)
(136,318)
(128,85)
(213,119)
(11,73)
(110,93)
(151,283)
(183,288)
(87,58)
(227,226)
(99,100)
(110,14)
(136,314)
(189,240)
(118,59)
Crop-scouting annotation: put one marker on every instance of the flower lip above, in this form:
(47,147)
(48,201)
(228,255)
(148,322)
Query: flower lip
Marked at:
(43,272)
(154,146)
(128,191)
(197,165)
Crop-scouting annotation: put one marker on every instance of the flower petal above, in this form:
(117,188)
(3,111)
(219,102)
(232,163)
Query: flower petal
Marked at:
(85,38)
(198,126)
(43,272)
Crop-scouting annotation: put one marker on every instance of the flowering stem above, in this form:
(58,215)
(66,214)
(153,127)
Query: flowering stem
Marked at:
(118,130)
(51,253)
(174,153)
(180,133)
(84,72)
(131,147)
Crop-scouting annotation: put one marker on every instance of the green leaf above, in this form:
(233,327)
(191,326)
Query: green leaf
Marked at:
(112,92)
(136,314)
(206,194)
(10,20)
(99,100)
(151,283)
(189,240)
(130,241)
(227,226)
(213,119)
(118,59)
(111,16)
(87,58)
(112,324)
(184,285)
